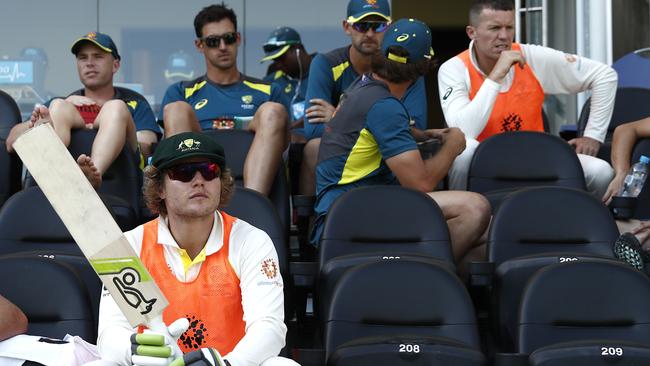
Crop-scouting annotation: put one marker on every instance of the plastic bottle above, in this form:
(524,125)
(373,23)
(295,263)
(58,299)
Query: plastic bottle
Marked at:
(634,180)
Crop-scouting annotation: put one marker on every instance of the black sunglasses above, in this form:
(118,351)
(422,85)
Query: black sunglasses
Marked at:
(272,47)
(363,27)
(186,172)
(215,41)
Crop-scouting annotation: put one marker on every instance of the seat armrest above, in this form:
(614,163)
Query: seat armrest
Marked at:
(481,273)
(510,359)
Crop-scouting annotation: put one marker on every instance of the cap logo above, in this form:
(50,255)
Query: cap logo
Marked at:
(372,3)
(91,35)
(247,99)
(402,37)
(189,145)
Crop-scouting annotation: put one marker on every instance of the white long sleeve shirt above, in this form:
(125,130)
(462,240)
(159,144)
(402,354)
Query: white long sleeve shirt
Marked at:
(262,298)
(557,73)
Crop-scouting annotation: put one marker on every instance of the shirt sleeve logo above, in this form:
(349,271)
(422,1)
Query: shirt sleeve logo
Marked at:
(270,268)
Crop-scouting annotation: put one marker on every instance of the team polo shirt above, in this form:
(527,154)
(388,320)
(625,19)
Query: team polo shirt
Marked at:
(215,103)
(370,126)
(332,73)
(293,92)
(140,109)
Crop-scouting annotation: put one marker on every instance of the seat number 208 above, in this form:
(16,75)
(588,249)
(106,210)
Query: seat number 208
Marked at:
(409,348)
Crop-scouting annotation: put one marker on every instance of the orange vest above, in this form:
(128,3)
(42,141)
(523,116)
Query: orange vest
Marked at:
(518,109)
(212,302)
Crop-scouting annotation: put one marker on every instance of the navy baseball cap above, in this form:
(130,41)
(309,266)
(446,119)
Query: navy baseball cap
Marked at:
(411,35)
(185,145)
(359,9)
(101,40)
(279,42)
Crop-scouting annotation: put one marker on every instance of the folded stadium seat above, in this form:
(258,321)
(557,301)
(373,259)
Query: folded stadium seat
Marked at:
(633,69)
(642,211)
(369,224)
(121,187)
(236,144)
(10,165)
(51,294)
(257,210)
(400,312)
(631,105)
(586,313)
(509,161)
(82,268)
(537,227)
(28,222)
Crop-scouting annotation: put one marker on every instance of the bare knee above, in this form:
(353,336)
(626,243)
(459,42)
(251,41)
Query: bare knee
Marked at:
(174,108)
(271,117)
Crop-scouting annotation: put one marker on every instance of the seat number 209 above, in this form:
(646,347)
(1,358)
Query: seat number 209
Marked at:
(611,351)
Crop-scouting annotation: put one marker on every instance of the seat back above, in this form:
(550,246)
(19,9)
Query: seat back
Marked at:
(633,69)
(401,299)
(535,228)
(51,294)
(257,210)
(236,144)
(604,300)
(9,114)
(630,105)
(519,159)
(10,173)
(385,219)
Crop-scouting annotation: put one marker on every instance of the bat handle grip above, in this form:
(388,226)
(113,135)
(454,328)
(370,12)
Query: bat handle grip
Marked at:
(172,333)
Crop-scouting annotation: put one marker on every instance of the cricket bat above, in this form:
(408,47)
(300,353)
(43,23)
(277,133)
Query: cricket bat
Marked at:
(92,227)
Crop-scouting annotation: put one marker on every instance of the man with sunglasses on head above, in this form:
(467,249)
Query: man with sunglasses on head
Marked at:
(291,62)
(218,272)
(226,98)
(331,74)
(121,116)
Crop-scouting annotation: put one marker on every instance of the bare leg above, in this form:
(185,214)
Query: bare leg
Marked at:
(115,128)
(468,217)
(308,167)
(179,117)
(270,125)
(90,170)
(65,117)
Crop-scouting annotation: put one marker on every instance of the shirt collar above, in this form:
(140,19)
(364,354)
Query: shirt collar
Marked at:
(214,243)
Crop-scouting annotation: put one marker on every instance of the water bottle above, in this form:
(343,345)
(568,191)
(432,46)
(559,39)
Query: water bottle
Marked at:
(634,180)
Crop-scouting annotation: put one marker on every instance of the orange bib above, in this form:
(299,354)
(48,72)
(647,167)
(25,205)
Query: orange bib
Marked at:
(518,109)
(212,302)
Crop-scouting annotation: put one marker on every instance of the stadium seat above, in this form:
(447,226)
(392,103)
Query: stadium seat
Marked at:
(9,114)
(257,210)
(633,69)
(537,227)
(121,186)
(509,161)
(586,313)
(370,223)
(28,222)
(631,105)
(399,312)
(51,294)
(236,144)
(10,166)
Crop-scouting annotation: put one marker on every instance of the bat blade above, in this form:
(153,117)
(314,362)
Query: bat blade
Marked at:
(91,225)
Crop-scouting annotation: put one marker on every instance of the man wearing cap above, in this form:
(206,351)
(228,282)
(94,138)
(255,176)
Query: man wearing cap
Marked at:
(121,116)
(291,62)
(331,73)
(226,98)
(497,85)
(369,141)
(217,271)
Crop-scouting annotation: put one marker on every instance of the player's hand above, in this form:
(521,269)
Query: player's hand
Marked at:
(613,188)
(158,348)
(201,357)
(642,232)
(504,63)
(453,138)
(320,111)
(40,115)
(585,145)
(80,100)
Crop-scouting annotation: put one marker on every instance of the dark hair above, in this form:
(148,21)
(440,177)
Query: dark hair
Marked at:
(478,5)
(213,13)
(397,72)
(153,184)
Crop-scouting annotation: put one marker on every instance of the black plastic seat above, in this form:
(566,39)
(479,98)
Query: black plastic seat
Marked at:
(9,114)
(401,312)
(599,307)
(537,227)
(10,165)
(631,105)
(510,161)
(236,144)
(51,294)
